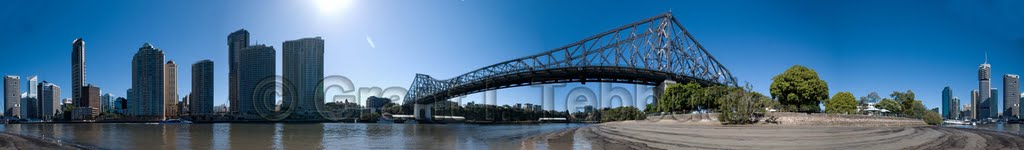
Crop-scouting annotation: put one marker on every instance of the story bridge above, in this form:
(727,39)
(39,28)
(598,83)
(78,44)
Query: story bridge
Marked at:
(648,52)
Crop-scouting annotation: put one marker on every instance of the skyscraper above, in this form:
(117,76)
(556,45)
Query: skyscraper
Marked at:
(236,41)
(1011,104)
(120,104)
(128,101)
(201,99)
(77,69)
(12,96)
(107,102)
(147,97)
(993,103)
(170,90)
(32,89)
(974,105)
(954,111)
(49,100)
(303,68)
(256,63)
(984,74)
(947,95)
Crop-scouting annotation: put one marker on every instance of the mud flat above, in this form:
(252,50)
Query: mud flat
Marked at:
(821,132)
(14,141)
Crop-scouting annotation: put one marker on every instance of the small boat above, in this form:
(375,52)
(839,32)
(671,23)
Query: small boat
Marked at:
(957,122)
(175,121)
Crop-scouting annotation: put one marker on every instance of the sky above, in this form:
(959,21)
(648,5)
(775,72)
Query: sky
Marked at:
(855,46)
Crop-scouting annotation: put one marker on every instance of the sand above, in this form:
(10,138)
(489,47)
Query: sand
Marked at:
(673,134)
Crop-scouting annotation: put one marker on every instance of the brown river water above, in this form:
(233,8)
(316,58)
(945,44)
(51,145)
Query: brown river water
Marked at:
(288,135)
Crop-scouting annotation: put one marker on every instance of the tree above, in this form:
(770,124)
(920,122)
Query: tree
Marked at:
(842,103)
(799,89)
(871,98)
(906,100)
(680,97)
(742,106)
(932,118)
(622,113)
(917,110)
(710,97)
(889,104)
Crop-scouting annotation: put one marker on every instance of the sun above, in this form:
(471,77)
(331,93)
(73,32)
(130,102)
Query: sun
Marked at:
(332,6)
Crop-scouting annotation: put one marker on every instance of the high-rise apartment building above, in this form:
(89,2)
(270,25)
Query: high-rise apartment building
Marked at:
(12,96)
(170,90)
(974,105)
(201,98)
(993,103)
(256,64)
(1011,104)
(147,93)
(955,109)
(947,100)
(49,100)
(77,69)
(236,41)
(303,68)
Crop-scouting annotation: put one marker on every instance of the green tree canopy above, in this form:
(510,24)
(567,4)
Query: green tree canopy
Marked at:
(677,97)
(889,104)
(932,118)
(690,97)
(906,100)
(622,113)
(841,103)
(742,105)
(918,110)
(871,98)
(799,89)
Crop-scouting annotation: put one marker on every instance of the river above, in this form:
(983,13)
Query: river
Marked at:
(288,135)
(1002,127)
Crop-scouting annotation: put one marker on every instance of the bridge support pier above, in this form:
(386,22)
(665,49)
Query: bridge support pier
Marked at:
(423,112)
(660,90)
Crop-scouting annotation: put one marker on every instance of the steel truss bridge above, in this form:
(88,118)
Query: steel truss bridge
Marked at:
(646,52)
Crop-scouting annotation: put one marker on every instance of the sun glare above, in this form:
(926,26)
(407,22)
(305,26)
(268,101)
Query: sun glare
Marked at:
(332,6)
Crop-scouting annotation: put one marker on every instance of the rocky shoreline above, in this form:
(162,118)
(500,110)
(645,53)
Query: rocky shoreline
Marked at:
(810,131)
(15,141)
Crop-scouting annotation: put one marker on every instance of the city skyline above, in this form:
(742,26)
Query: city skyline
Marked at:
(881,66)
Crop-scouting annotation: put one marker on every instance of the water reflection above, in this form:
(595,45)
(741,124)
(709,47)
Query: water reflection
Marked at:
(290,136)
(1012,128)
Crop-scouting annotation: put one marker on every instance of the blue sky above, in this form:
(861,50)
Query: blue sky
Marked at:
(856,46)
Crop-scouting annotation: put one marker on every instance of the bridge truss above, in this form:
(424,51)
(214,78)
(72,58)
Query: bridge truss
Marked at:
(644,52)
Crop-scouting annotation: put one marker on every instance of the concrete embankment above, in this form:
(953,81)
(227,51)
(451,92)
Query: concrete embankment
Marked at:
(795,131)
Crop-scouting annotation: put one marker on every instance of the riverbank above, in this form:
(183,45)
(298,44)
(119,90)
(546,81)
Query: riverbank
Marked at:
(812,132)
(15,141)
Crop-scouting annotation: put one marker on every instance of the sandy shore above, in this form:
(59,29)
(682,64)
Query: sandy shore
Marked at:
(704,135)
(14,141)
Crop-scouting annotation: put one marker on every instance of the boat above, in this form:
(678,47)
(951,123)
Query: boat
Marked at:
(957,122)
(175,121)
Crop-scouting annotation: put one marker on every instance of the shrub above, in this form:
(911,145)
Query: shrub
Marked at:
(932,118)
(740,106)
(842,103)
(622,113)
